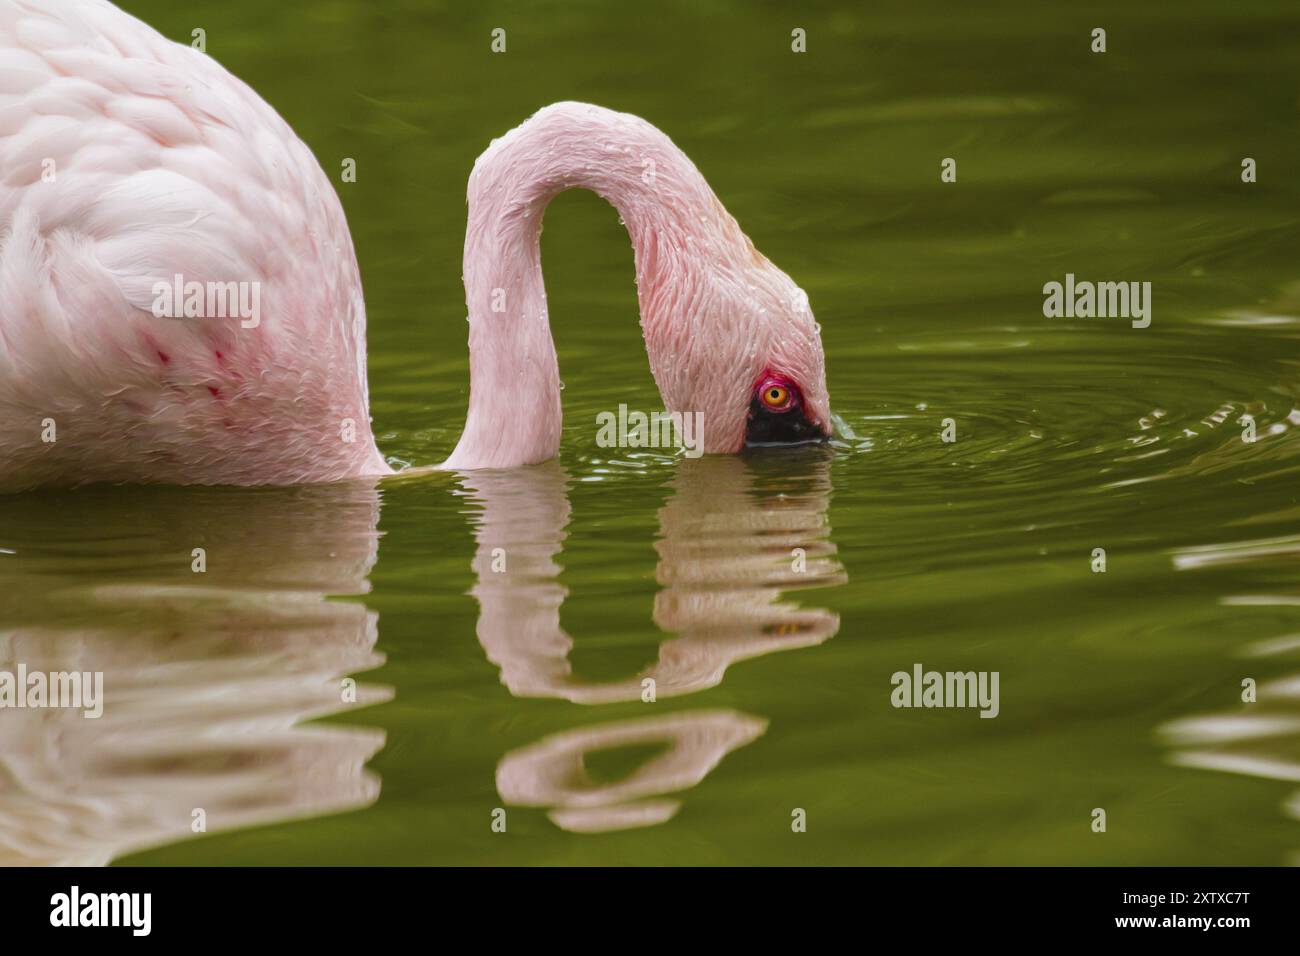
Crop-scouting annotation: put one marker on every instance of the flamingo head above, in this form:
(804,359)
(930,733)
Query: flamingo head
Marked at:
(787,399)
(742,347)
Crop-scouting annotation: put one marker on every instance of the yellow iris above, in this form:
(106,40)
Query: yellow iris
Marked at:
(774,396)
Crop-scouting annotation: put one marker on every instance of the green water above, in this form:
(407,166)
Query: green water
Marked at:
(521,690)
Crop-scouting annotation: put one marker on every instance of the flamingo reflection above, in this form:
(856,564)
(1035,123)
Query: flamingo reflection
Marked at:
(208,677)
(728,549)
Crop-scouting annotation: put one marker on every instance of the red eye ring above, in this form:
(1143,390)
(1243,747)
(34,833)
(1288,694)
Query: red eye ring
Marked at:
(776,394)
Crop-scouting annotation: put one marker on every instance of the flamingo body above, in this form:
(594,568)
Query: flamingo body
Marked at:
(128,160)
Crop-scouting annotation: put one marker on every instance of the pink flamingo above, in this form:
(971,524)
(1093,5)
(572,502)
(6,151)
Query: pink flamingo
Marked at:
(180,300)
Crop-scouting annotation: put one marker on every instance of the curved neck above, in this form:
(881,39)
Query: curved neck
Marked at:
(671,215)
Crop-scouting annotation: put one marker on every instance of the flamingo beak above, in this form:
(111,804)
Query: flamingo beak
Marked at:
(794,427)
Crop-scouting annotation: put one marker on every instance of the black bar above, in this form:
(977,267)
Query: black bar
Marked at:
(330,905)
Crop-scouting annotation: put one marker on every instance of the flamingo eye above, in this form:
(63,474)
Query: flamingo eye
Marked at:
(776,415)
(777,395)
(774,396)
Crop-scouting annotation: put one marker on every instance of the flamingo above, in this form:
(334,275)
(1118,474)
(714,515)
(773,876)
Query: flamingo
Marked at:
(134,166)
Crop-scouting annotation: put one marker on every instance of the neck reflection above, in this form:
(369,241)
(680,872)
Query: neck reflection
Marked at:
(727,552)
(732,540)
